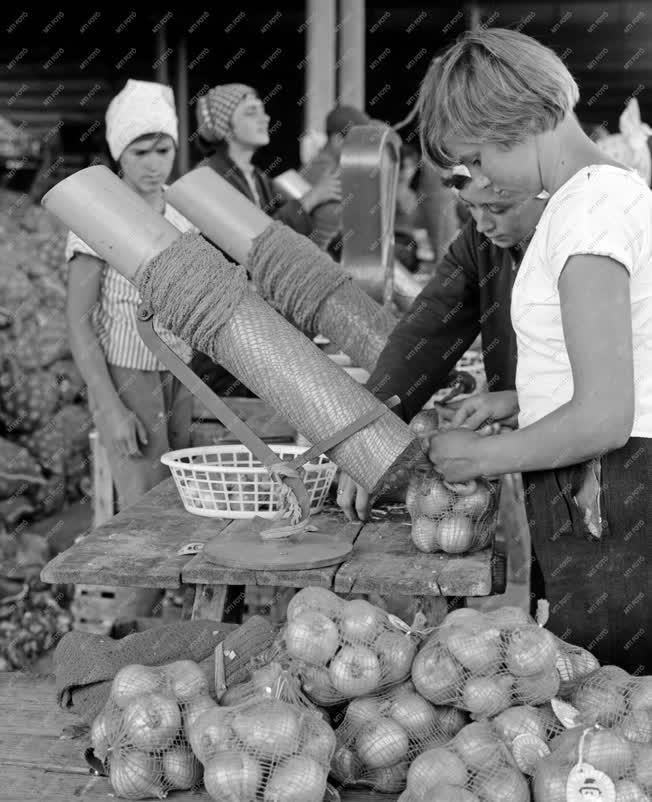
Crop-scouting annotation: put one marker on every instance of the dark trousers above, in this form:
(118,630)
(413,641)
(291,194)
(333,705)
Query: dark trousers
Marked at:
(598,589)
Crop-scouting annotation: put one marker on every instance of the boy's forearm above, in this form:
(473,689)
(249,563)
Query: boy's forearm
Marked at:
(91,362)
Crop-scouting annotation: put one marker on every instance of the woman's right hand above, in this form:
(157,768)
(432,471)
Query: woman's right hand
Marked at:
(352,499)
(487,408)
(126,430)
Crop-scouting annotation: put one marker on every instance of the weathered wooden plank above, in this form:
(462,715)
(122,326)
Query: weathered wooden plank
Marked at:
(331,523)
(385,561)
(138,547)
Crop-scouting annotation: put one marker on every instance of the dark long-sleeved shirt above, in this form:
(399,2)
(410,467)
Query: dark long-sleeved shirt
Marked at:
(470,294)
(288,211)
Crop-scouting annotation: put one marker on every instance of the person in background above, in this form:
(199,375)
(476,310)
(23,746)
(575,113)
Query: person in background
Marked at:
(501,104)
(232,127)
(140,409)
(327,219)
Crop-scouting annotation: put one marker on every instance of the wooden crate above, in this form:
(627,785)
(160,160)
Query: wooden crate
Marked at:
(95,608)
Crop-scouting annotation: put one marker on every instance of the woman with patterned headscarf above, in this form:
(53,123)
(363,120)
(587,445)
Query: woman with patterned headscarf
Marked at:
(232,126)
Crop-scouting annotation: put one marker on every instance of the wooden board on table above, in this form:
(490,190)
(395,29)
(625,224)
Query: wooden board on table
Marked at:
(137,547)
(37,764)
(386,561)
(331,524)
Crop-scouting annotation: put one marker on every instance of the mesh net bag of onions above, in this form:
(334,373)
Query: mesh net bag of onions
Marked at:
(380,736)
(484,663)
(141,734)
(453,518)
(344,649)
(475,766)
(264,750)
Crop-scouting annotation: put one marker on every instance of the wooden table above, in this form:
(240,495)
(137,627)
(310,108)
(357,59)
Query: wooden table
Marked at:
(139,548)
(37,764)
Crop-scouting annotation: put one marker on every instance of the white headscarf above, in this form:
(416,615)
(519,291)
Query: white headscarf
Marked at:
(143,107)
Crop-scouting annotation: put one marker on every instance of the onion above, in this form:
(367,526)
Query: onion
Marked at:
(232,777)
(521,720)
(133,680)
(643,764)
(152,721)
(583,662)
(434,767)
(186,679)
(450,720)
(298,779)
(550,781)
(531,650)
(396,651)
(478,747)
(321,600)
(464,616)
(477,650)
(425,535)
(455,534)
(505,785)
(425,423)
(475,505)
(194,709)
(181,768)
(436,675)
(602,703)
(487,696)
(388,780)
(318,739)
(270,728)
(606,751)
(435,503)
(210,733)
(355,671)
(637,726)
(450,793)
(316,682)
(382,743)
(345,766)
(417,716)
(105,731)
(361,622)
(628,791)
(538,688)
(312,637)
(135,775)
(363,710)
(640,693)
(236,694)
(266,679)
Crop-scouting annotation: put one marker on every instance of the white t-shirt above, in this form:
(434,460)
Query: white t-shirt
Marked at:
(601,210)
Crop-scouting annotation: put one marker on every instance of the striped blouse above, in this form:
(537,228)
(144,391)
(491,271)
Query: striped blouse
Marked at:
(114,317)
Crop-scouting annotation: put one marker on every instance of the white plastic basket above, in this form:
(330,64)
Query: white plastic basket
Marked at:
(229,482)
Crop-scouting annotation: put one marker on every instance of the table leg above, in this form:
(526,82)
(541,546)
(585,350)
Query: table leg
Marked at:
(223,603)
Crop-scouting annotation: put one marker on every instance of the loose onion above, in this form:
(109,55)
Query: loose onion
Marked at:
(232,777)
(181,768)
(382,743)
(436,675)
(355,671)
(320,600)
(152,721)
(487,696)
(531,650)
(133,680)
(186,679)
(298,779)
(417,716)
(477,650)
(312,637)
(135,775)
(505,785)
(396,651)
(434,767)
(270,728)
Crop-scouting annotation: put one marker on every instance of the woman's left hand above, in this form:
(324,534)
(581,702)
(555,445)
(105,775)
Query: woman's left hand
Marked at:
(453,453)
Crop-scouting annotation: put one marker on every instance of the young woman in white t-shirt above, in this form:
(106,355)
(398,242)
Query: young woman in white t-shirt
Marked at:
(140,409)
(502,104)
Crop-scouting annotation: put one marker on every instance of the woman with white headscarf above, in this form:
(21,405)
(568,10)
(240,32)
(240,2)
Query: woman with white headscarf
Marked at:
(140,409)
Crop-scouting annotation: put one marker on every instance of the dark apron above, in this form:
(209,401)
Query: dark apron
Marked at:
(598,588)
